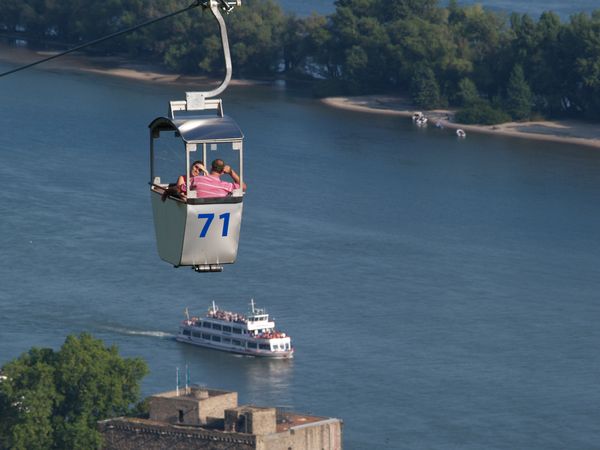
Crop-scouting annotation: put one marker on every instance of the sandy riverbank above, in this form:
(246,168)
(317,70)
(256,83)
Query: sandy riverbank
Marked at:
(109,66)
(564,131)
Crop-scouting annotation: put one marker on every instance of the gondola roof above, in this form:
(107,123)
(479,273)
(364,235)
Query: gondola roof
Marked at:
(199,128)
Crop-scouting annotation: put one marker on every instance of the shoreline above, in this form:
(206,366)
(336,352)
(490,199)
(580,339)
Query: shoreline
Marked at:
(112,66)
(560,131)
(563,131)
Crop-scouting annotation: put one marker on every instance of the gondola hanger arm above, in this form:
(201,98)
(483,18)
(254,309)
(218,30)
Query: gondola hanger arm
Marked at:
(198,101)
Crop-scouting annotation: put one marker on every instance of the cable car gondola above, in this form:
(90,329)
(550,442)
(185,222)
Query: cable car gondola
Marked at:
(192,230)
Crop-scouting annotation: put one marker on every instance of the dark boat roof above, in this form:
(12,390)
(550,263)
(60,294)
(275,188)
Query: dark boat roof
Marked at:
(195,129)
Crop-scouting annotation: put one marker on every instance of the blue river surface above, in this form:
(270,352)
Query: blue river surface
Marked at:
(440,293)
(532,7)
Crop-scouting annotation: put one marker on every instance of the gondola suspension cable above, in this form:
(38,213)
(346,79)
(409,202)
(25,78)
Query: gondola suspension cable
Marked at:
(195,4)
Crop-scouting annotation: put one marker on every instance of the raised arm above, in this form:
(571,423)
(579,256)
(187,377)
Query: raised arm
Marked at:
(234,176)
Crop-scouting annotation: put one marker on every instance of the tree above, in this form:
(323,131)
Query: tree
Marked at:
(467,93)
(478,34)
(425,90)
(54,399)
(27,396)
(256,31)
(402,9)
(518,95)
(358,46)
(581,44)
(306,45)
(549,66)
(482,113)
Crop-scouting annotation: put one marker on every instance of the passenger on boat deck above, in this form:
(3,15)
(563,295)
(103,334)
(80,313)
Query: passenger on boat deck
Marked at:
(195,171)
(211,186)
(228,316)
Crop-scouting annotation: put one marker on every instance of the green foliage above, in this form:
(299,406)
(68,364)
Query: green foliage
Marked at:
(402,9)
(518,95)
(27,399)
(581,46)
(467,93)
(305,44)
(365,46)
(54,399)
(256,31)
(424,90)
(481,113)
(358,47)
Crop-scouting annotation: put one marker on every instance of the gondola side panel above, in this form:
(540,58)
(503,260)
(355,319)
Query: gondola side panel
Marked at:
(169,225)
(212,234)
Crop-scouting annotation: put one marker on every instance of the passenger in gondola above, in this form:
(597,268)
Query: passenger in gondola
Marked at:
(196,171)
(179,189)
(211,185)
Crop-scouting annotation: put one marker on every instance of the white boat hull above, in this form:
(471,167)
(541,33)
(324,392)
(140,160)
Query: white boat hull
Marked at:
(281,354)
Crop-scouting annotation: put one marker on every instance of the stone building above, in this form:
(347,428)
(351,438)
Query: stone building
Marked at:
(200,418)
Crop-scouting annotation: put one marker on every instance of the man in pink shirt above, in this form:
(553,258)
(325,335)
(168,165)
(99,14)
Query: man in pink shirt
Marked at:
(211,186)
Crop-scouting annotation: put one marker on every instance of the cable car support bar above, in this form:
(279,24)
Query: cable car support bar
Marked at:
(198,101)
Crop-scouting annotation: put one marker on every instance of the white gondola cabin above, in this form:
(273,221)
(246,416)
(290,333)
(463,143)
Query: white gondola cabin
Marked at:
(191,231)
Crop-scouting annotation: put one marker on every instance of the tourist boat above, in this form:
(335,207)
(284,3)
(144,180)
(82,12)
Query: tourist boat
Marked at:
(253,334)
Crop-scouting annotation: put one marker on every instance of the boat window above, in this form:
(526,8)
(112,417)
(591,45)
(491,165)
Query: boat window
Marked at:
(206,336)
(236,342)
(196,334)
(216,326)
(206,324)
(227,340)
(237,330)
(216,338)
(264,346)
(186,332)
(251,345)
(227,328)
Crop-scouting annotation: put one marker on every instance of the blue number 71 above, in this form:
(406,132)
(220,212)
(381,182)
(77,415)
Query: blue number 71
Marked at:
(209,218)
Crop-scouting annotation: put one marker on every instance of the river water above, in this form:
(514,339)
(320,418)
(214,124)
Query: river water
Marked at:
(532,7)
(440,293)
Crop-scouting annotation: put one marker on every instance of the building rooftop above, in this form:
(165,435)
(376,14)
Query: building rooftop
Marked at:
(191,418)
(193,392)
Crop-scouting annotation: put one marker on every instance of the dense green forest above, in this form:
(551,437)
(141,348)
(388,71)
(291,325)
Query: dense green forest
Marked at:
(491,66)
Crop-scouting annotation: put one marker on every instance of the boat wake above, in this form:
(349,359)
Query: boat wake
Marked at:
(158,334)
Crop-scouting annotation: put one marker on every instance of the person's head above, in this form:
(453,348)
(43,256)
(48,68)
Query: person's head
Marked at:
(197,168)
(217,166)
